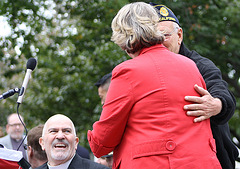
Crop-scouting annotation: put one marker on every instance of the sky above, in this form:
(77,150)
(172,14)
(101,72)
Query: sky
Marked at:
(5,29)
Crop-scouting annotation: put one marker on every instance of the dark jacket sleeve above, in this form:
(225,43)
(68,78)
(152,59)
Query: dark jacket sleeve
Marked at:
(216,86)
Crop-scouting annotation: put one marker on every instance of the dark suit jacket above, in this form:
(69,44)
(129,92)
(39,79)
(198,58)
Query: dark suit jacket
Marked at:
(79,163)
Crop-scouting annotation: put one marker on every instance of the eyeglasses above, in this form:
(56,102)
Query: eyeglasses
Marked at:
(168,35)
(15,125)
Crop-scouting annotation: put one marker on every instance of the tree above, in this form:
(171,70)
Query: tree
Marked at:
(71,41)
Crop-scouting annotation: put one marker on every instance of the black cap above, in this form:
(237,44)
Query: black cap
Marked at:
(103,79)
(165,14)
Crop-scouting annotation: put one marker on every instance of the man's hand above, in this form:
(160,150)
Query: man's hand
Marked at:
(202,107)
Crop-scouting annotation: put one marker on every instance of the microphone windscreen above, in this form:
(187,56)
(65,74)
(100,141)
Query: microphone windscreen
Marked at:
(31,63)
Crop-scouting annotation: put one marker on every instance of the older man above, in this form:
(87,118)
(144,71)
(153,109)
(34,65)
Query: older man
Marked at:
(217,102)
(60,142)
(14,137)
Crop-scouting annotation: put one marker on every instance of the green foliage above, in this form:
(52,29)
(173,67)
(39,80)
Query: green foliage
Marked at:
(71,41)
(73,49)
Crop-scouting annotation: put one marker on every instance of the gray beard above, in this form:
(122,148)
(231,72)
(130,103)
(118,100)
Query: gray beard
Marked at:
(59,155)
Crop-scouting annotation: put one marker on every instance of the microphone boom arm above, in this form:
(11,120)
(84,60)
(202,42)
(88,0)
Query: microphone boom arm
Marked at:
(9,93)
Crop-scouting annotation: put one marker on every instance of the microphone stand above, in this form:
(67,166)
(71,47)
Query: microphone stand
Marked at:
(9,93)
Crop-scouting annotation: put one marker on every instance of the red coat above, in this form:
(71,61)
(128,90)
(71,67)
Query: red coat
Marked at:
(143,119)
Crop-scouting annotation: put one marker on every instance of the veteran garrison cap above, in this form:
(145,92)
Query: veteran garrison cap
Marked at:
(165,14)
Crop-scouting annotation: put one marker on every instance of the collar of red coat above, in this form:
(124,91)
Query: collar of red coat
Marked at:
(144,50)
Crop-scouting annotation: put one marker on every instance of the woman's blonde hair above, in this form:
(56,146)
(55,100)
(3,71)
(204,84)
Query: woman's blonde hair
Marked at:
(135,27)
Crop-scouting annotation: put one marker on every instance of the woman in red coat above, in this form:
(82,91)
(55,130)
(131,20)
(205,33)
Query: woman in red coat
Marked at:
(143,120)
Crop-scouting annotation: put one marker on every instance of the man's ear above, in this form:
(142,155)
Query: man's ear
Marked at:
(180,36)
(41,142)
(77,140)
(30,151)
(7,128)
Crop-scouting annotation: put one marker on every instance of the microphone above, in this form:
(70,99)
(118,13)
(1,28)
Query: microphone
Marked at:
(9,93)
(31,64)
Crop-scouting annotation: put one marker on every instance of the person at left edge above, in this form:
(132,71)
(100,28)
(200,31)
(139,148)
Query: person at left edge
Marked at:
(143,121)
(15,134)
(59,141)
